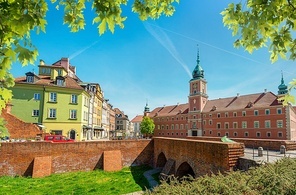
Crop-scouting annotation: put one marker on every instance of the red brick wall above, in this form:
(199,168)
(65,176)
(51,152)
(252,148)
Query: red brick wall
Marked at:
(18,158)
(204,157)
(18,128)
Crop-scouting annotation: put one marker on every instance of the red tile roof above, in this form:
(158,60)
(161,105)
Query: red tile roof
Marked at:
(137,119)
(45,80)
(257,100)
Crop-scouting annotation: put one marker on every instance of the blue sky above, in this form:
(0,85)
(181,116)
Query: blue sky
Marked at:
(153,60)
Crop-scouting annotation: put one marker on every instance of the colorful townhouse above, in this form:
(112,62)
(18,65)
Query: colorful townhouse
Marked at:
(259,115)
(58,101)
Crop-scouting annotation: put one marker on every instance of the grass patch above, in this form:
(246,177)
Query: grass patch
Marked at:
(129,179)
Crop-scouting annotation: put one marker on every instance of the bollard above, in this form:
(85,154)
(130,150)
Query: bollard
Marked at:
(260,151)
(283,149)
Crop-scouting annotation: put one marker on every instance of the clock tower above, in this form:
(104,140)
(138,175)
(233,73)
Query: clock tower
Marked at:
(197,99)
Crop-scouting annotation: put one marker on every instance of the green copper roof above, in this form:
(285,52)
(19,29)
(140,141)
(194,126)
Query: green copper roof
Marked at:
(283,89)
(198,72)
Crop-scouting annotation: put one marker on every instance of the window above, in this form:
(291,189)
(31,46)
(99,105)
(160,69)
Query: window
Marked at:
(162,127)
(85,101)
(246,134)
(167,127)
(204,122)
(267,124)
(244,113)
(279,111)
(30,79)
(181,126)
(256,112)
(226,125)
(226,114)
(218,125)
(85,116)
(52,97)
(258,134)
(186,126)
(45,70)
(59,72)
(235,125)
(227,134)
(267,112)
(234,114)
(194,125)
(36,96)
(172,118)
(280,134)
(210,132)
(73,99)
(210,115)
(60,82)
(172,127)
(244,124)
(218,134)
(235,134)
(279,123)
(256,124)
(268,134)
(177,126)
(194,116)
(35,113)
(73,114)
(218,115)
(210,122)
(52,112)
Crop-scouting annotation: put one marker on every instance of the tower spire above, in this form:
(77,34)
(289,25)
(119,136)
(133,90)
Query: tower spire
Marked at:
(197,57)
(283,89)
(198,72)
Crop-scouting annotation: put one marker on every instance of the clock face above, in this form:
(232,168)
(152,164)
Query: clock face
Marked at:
(194,86)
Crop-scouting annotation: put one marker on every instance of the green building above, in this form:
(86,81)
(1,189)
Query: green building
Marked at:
(53,99)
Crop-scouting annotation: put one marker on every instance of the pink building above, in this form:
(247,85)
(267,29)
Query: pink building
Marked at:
(258,115)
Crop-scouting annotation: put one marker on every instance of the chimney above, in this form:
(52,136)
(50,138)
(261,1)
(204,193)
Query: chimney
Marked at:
(265,90)
(237,95)
(42,62)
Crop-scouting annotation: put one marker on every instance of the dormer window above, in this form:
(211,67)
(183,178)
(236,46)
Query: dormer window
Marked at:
(60,80)
(213,108)
(250,104)
(30,79)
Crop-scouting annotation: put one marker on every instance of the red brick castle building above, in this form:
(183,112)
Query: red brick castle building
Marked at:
(258,115)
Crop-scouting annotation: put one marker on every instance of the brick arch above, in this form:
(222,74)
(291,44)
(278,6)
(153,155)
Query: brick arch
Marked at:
(184,170)
(161,160)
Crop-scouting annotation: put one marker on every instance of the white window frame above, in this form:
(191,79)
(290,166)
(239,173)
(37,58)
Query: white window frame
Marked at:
(73,114)
(267,124)
(244,124)
(52,113)
(36,96)
(279,124)
(256,124)
(53,97)
(35,112)
(74,99)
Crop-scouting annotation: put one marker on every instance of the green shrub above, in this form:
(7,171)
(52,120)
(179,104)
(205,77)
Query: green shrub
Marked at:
(276,178)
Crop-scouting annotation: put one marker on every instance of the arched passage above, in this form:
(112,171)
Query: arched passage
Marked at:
(184,170)
(161,160)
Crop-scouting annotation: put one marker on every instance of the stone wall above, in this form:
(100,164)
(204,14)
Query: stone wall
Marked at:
(18,158)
